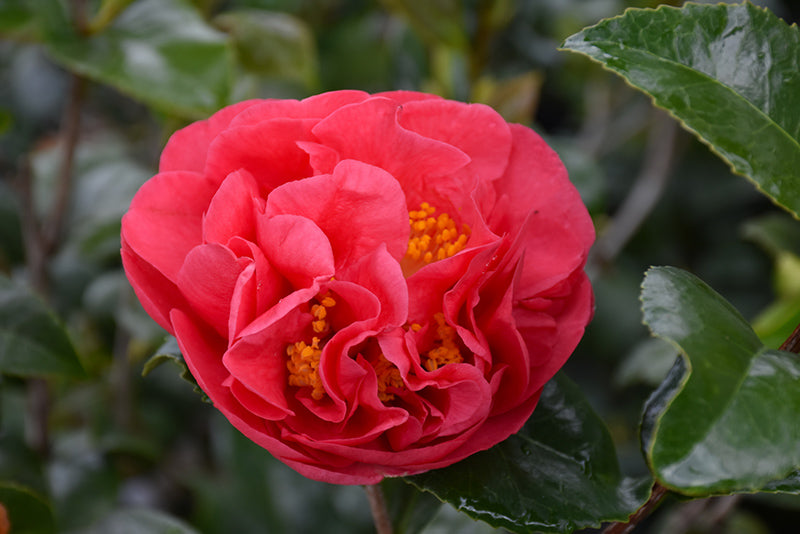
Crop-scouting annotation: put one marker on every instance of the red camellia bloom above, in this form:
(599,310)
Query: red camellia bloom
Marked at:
(364,285)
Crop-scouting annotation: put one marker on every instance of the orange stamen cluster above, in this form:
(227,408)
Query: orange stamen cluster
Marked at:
(388,377)
(303,363)
(446,350)
(434,238)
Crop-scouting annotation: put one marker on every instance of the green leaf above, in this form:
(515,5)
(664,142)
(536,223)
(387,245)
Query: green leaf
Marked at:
(32,342)
(158,51)
(558,474)
(17,19)
(27,511)
(276,45)
(170,352)
(725,418)
(729,73)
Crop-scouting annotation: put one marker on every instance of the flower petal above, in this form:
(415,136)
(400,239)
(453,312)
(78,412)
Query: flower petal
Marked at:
(477,130)
(267,150)
(207,279)
(165,218)
(155,292)
(232,211)
(369,132)
(296,247)
(186,148)
(358,207)
(313,107)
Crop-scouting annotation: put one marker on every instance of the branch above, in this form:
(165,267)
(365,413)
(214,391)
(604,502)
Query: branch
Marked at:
(377,504)
(656,494)
(70,124)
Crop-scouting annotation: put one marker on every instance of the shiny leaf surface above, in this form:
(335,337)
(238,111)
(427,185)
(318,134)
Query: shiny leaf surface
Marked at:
(158,51)
(558,474)
(729,73)
(725,418)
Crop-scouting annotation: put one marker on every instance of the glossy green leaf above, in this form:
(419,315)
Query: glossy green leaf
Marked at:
(27,511)
(32,342)
(558,474)
(158,51)
(725,418)
(729,73)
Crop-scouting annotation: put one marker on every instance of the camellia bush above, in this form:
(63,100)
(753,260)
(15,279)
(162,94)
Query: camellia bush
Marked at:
(408,266)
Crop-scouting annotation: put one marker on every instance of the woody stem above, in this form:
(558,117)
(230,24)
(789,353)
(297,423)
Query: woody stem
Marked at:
(377,504)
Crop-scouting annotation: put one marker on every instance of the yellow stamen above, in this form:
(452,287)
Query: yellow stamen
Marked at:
(303,366)
(303,362)
(445,350)
(432,238)
(388,377)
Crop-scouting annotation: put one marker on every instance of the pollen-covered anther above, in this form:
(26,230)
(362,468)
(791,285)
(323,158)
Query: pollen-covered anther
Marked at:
(304,359)
(434,238)
(446,349)
(388,378)
(303,366)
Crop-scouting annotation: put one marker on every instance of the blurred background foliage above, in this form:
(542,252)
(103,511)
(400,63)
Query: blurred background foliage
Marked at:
(91,90)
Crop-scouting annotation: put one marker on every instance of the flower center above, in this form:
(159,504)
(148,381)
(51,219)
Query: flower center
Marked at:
(303,360)
(432,238)
(388,377)
(445,348)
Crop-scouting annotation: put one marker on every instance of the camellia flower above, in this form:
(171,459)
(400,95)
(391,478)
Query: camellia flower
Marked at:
(364,285)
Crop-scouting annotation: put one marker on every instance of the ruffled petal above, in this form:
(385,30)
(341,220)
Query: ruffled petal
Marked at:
(186,148)
(313,107)
(358,207)
(477,130)
(207,279)
(165,219)
(296,247)
(267,150)
(232,212)
(369,132)
(536,181)
(155,292)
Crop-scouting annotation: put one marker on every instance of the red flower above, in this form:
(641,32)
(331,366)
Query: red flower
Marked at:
(365,286)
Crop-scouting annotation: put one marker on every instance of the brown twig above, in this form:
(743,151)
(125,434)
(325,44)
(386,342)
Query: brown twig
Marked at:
(792,343)
(377,504)
(70,125)
(41,242)
(656,494)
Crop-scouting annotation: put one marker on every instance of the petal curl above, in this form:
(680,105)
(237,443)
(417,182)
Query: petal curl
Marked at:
(296,247)
(358,207)
(369,132)
(207,279)
(232,211)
